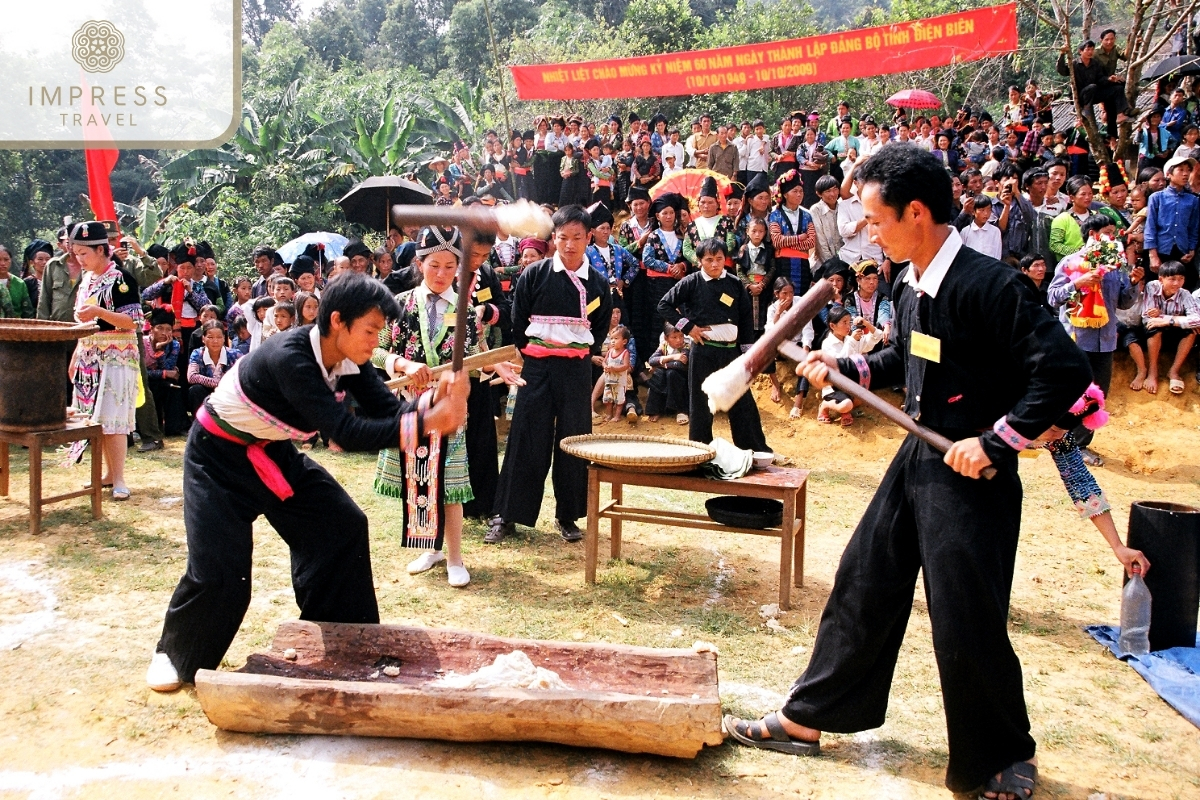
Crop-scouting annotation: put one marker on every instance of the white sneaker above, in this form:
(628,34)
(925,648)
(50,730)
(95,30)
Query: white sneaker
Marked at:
(459,577)
(426,562)
(162,675)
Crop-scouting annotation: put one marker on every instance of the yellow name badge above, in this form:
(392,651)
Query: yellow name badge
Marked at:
(484,294)
(727,300)
(450,318)
(592,306)
(925,346)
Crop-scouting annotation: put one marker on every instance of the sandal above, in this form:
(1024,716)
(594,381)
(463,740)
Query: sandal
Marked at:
(120,493)
(756,733)
(846,420)
(1176,386)
(823,417)
(1019,779)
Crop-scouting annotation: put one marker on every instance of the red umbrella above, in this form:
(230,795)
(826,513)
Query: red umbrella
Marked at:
(914,98)
(688,182)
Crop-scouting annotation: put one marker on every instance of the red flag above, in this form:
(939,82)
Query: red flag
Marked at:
(100,165)
(99,155)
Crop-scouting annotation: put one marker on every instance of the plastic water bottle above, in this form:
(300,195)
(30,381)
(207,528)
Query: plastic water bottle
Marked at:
(1135,615)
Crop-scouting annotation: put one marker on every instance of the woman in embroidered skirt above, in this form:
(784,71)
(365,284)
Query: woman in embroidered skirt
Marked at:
(432,482)
(105,367)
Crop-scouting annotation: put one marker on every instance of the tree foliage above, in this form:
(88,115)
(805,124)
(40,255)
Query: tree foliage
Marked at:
(376,87)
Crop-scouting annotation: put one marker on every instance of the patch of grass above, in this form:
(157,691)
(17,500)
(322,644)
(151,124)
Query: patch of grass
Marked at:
(1058,735)
(720,622)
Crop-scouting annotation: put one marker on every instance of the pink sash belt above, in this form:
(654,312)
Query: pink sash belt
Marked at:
(266,468)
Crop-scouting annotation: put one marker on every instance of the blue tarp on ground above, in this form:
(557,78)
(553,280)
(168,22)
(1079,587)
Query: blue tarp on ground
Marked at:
(1173,673)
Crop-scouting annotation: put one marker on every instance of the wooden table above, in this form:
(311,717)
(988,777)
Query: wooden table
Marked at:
(787,485)
(35,441)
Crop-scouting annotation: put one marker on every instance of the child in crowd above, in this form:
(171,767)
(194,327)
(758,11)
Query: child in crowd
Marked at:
(981,235)
(755,265)
(713,308)
(162,371)
(208,364)
(284,315)
(848,336)
(668,390)
(617,377)
(209,313)
(260,310)
(307,305)
(599,369)
(239,336)
(784,296)
(1171,316)
(977,148)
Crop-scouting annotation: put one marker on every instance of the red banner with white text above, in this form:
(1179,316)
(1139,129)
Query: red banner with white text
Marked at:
(888,49)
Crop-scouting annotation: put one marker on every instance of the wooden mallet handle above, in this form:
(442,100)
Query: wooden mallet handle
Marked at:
(868,398)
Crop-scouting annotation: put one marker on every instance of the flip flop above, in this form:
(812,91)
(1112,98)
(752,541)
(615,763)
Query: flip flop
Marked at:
(1176,386)
(1019,779)
(120,493)
(740,730)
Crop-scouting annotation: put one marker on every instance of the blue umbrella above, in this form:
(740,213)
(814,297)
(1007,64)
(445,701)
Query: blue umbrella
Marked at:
(334,244)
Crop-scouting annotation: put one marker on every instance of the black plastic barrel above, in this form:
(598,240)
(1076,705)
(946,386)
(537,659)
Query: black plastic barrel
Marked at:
(1169,535)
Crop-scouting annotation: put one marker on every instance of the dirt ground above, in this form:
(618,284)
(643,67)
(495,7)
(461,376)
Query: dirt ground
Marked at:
(81,608)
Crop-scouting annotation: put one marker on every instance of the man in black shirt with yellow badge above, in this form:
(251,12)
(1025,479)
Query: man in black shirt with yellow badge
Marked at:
(989,368)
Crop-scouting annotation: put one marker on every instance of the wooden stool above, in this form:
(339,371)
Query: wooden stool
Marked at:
(71,432)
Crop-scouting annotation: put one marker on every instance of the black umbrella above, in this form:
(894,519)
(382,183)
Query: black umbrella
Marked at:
(370,203)
(1173,65)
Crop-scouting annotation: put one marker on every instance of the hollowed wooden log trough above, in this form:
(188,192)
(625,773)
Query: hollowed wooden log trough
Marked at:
(634,699)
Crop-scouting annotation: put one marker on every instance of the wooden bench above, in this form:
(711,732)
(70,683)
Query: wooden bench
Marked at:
(35,441)
(787,485)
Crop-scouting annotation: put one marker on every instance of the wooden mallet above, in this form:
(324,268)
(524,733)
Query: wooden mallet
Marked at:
(478,224)
(726,386)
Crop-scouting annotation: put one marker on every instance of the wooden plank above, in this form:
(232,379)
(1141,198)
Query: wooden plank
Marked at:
(771,479)
(652,517)
(616,700)
(68,496)
(35,489)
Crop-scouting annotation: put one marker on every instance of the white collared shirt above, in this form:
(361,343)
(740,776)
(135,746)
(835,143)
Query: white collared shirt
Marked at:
(343,367)
(581,272)
(223,360)
(758,154)
(556,330)
(855,246)
(931,279)
(986,240)
(678,151)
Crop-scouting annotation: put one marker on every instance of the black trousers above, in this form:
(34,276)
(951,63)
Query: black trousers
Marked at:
(168,402)
(668,392)
(483,466)
(554,403)
(1102,368)
(197,393)
(744,423)
(646,323)
(222,496)
(962,534)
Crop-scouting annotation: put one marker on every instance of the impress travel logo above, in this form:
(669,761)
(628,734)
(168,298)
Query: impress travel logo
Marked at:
(120,73)
(98,46)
